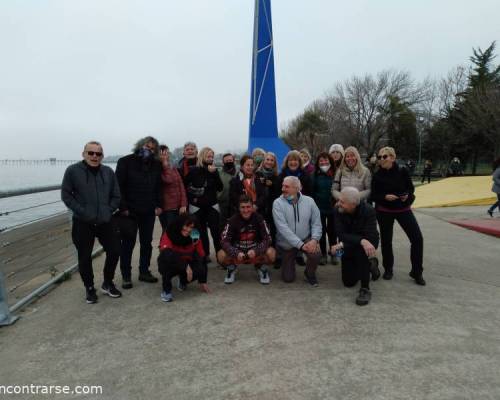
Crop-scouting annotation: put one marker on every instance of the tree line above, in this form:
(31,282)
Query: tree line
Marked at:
(454,116)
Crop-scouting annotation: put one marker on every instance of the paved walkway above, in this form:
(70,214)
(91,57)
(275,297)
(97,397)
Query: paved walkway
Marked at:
(284,341)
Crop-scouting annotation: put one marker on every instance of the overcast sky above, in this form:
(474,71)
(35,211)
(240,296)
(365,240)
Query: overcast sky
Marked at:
(117,70)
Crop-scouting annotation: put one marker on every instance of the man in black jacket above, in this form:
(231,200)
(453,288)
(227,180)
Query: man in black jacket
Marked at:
(90,190)
(139,177)
(356,229)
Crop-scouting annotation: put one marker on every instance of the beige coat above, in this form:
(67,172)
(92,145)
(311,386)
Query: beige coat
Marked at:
(348,178)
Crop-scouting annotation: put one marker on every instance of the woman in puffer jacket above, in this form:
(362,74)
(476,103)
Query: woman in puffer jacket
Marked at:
(352,173)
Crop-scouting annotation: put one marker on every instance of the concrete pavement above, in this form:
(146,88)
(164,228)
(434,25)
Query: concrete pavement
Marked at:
(283,341)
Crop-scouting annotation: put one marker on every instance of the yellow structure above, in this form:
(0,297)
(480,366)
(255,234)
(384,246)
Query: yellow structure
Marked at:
(456,191)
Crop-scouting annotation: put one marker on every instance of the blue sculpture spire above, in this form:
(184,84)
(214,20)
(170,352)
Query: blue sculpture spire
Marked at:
(263,130)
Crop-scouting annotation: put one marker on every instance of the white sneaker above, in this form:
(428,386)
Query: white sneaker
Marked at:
(230,275)
(264,276)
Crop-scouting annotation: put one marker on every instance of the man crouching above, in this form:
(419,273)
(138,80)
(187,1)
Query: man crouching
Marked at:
(246,240)
(182,255)
(356,228)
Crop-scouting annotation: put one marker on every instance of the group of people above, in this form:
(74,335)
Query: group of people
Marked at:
(257,214)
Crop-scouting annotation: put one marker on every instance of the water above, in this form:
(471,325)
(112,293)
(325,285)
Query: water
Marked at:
(26,176)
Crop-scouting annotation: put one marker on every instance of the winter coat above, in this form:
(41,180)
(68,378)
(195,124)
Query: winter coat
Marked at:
(305,180)
(91,197)
(174,193)
(140,184)
(346,177)
(202,187)
(236,189)
(395,180)
(351,228)
(322,185)
(296,222)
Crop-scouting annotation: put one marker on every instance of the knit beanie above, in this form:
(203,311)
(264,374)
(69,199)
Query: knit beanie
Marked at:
(337,147)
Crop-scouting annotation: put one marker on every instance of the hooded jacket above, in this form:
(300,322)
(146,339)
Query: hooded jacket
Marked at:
(91,197)
(296,222)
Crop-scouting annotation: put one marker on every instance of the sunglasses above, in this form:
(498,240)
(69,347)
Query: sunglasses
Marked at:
(94,153)
(385,156)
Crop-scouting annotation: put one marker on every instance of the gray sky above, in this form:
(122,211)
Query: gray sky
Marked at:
(116,70)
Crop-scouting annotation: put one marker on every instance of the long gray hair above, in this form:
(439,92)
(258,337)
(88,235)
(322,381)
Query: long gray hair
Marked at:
(141,142)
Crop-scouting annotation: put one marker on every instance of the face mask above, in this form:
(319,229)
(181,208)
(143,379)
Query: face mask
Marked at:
(195,234)
(228,166)
(206,163)
(290,198)
(341,210)
(258,159)
(324,168)
(145,153)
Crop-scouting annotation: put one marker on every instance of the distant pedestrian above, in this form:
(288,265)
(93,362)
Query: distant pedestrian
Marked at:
(496,186)
(90,190)
(393,194)
(139,176)
(426,173)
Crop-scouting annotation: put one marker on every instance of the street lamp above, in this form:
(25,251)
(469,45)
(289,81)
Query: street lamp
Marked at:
(420,121)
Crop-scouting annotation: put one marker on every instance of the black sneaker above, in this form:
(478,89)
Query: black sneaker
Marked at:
(419,279)
(300,261)
(364,297)
(127,284)
(388,274)
(312,280)
(374,270)
(91,295)
(147,277)
(111,290)
(490,213)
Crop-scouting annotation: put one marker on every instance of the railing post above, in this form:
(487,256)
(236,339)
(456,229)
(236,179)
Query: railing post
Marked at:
(6,318)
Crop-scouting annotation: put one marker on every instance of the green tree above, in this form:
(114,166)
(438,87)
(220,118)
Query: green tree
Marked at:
(401,128)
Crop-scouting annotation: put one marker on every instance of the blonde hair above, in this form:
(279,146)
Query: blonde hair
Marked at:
(388,150)
(275,168)
(294,154)
(258,150)
(359,168)
(202,155)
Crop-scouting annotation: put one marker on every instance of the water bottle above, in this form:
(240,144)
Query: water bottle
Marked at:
(339,253)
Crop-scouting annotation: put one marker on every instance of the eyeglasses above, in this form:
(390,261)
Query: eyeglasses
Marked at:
(385,156)
(94,153)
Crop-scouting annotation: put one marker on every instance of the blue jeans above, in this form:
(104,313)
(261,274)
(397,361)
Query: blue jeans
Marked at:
(145,225)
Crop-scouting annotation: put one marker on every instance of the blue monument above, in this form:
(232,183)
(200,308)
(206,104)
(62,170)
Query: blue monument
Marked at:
(263,130)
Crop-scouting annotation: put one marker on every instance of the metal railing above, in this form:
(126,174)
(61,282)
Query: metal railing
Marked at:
(6,316)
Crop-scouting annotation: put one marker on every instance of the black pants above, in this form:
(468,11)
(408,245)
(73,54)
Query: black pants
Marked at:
(166,217)
(410,226)
(145,225)
(327,225)
(84,235)
(170,265)
(496,204)
(426,175)
(209,218)
(355,267)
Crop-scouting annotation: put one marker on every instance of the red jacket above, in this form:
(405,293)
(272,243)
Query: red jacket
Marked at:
(174,194)
(185,252)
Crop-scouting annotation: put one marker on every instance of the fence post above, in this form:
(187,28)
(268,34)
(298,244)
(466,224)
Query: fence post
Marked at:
(5,316)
